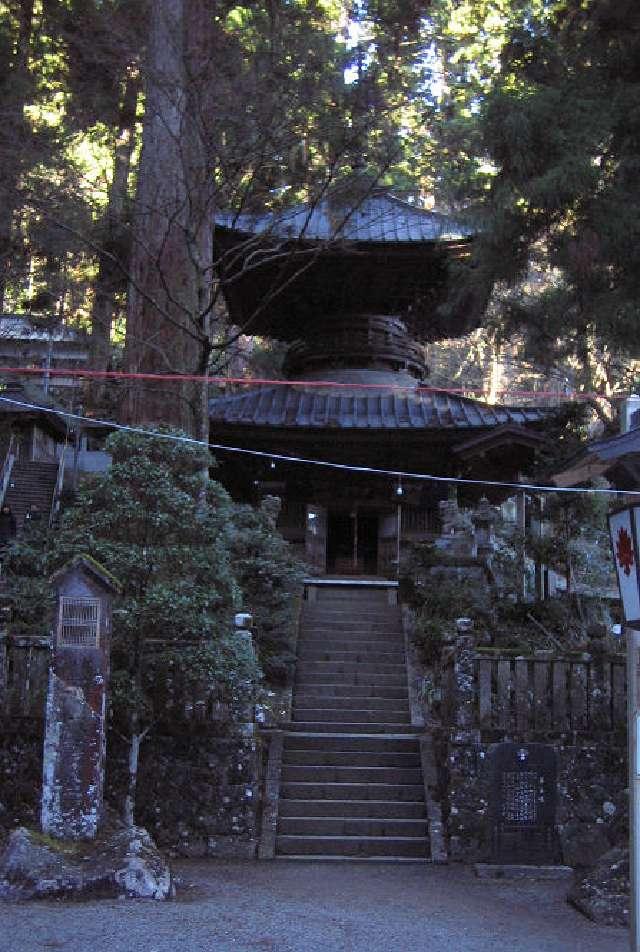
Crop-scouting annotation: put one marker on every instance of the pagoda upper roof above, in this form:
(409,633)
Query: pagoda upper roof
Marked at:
(379,217)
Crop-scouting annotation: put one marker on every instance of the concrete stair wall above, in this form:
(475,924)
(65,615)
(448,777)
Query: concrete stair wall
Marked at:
(351,784)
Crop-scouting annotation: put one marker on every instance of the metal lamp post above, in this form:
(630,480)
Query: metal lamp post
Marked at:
(623,529)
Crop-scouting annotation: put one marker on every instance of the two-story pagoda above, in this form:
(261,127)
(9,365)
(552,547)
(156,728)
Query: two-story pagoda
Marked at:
(355,292)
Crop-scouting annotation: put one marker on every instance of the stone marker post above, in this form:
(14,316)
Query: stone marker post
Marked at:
(74,742)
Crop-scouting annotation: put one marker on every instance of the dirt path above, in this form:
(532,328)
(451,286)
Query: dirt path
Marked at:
(316,907)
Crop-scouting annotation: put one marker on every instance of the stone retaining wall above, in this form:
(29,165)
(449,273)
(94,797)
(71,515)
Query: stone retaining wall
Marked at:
(198,792)
(592,797)
(592,800)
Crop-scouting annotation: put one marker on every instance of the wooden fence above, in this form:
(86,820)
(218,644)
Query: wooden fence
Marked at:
(24,672)
(533,693)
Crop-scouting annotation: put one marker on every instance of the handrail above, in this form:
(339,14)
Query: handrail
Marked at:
(57,492)
(7,467)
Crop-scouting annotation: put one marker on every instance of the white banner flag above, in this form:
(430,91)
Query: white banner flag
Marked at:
(626,561)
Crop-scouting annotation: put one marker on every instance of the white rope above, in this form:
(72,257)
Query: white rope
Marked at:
(348,467)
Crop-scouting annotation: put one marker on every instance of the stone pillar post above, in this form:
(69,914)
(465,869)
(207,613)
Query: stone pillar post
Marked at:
(464,674)
(245,699)
(74,743)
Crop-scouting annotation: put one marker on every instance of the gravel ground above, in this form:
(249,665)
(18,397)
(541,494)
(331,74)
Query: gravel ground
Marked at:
(316,907)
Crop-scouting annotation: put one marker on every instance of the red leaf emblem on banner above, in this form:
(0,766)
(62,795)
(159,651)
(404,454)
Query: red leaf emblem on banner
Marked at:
(624,551)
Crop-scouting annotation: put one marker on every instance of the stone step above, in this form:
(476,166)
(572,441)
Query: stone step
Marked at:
(352,594)
(377,627)
(349,727)
(307,790)
(351,758)
(360,860)
(351,644)
(369,655)
(341,809)
(348,667)
(327,641)
(351,826)
(346,692)
(360,715)
(303,699)
(406,743)
(357,618)
(366,679)
(352,610)
(297,773)
(353,845)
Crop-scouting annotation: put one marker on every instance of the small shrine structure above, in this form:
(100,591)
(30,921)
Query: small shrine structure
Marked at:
(76,710)
(356,289)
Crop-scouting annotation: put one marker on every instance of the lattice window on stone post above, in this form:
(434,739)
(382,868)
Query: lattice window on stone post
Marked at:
(78,622)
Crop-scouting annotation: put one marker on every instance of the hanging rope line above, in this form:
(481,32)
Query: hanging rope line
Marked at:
(395,474)
(85,373)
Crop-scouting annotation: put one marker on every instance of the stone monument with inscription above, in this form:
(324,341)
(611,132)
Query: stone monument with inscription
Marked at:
(522,804)
(74,744)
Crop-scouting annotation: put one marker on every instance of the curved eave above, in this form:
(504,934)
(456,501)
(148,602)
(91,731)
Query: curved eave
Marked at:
(290,408)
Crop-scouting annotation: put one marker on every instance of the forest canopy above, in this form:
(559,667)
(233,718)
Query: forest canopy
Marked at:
(127,124)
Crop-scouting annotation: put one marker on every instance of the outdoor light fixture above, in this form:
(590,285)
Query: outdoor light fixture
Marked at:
(272,464)
(399,489)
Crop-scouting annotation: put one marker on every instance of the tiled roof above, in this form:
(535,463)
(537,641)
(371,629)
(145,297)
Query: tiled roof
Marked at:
(379,217)
(599,458)
(616,446)
(292,405)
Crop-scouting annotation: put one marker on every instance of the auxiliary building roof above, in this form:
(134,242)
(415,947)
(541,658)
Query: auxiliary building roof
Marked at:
(292,406)
(611,456)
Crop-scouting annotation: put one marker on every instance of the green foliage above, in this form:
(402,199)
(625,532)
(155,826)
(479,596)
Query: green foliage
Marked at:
(563,128)
(187,558)
(576,538)
(436,600)
(270,579)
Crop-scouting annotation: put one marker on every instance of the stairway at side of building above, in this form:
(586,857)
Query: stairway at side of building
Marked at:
(32,483)
(351,781)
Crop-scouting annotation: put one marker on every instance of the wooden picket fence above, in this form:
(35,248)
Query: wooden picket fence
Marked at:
(521,693)
(24,672)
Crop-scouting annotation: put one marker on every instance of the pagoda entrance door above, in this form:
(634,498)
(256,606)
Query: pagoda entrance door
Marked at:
(352,542)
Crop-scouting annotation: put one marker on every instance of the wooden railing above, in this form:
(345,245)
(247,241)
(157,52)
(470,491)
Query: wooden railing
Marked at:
(24,671)
(7,467)
(530,693)
(57,492)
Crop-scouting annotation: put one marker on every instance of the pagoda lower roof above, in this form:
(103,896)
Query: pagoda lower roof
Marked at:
(290,406)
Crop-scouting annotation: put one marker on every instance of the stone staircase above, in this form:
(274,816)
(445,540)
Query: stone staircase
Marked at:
(351,783)
(31,482)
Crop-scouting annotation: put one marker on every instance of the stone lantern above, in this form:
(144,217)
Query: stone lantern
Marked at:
(484,518)
(75,731)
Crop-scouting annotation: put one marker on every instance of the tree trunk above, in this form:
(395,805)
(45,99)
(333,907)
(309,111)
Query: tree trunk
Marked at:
(172,253)
(111,265)
(130,800)
(14,139)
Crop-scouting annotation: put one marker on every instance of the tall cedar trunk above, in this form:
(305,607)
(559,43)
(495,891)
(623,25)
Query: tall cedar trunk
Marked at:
(172,254)
(111,264)
(129,814)
(13,138)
